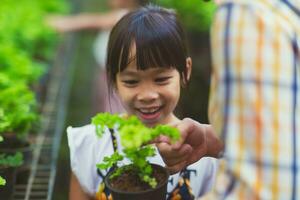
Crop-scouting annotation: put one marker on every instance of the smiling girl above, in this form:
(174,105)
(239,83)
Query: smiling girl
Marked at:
(147,63)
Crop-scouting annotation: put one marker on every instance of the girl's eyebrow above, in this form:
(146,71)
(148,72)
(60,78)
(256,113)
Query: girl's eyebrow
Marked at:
(128,73)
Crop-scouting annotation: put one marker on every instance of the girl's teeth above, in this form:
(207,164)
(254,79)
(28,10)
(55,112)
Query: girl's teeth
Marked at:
(149,111)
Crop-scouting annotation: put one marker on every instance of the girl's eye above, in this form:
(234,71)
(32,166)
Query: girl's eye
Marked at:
(162,79)
(130,82)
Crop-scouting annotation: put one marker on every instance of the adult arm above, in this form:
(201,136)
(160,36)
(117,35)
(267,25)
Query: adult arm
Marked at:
(84,21)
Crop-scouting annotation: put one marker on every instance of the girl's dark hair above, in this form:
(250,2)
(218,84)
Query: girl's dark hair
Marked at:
(159,39)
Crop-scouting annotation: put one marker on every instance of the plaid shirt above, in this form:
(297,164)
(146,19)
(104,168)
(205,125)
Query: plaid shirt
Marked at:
(255,98)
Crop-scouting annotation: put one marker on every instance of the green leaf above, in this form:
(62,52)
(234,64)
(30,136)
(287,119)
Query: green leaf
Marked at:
(110,161)
(2,181)
(11,160)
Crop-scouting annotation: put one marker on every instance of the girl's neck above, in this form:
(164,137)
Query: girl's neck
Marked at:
(173,119)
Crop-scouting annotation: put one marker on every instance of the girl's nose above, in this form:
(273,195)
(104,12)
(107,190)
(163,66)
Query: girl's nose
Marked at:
(147,94)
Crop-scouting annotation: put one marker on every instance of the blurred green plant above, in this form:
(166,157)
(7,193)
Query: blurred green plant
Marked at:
(9,161)
(27,45)
(18,107)
(2,181)
(22,23)
(18,66)
(196,15)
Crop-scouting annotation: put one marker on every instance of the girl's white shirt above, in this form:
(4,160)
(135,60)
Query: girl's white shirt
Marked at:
(87,149)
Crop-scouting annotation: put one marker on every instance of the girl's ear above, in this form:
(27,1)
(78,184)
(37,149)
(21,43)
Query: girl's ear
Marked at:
(189,64)
(187,75)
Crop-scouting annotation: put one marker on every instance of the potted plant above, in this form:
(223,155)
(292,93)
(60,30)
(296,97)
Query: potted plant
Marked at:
(140,179)
(8,165)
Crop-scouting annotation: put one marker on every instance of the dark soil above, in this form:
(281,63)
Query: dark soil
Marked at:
(130,181)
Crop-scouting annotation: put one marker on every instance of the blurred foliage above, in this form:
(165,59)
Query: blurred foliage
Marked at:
(196,15)
(27,45)
(18,65)
(18,110)
(9,161)
(22,24)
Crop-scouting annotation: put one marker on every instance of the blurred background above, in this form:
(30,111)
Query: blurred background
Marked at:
(49,79)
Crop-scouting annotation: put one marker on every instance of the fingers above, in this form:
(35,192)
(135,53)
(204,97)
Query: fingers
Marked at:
(161,139)
(185,127)
(174,157)
(176,168)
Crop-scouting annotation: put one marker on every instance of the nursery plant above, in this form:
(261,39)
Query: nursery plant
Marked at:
(9,161)
(196,15)
(26,42)
(2,180)
(18,106)
(135,138)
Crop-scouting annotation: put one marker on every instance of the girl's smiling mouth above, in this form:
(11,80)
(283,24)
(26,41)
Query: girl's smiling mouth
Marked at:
(151,113)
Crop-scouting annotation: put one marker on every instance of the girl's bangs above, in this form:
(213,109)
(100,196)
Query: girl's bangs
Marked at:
(157,45)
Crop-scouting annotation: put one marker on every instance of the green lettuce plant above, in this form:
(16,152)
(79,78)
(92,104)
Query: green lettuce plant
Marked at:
(23,23)
(2,180)
(196,15)
(27,43)
(9,161)
(135,138)
(18,107)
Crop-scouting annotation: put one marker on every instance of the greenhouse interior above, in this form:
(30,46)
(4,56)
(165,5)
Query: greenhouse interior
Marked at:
(50,81)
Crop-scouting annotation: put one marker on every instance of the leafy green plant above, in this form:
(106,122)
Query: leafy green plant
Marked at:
(23,23)
(135,137)
(18,108)
(196,15)
(9,161)
(18,66)
(27,43)
(2,181)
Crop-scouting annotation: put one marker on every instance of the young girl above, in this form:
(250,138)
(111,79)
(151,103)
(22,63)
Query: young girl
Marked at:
(147,63)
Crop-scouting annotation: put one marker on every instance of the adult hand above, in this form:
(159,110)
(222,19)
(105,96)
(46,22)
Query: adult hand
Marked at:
(61,23)
(190,148)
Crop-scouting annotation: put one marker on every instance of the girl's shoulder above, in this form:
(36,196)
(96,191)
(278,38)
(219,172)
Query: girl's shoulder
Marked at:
(86,134)
(85,140)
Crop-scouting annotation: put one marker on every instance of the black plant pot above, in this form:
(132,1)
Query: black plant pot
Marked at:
(9,174)
(158,193)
